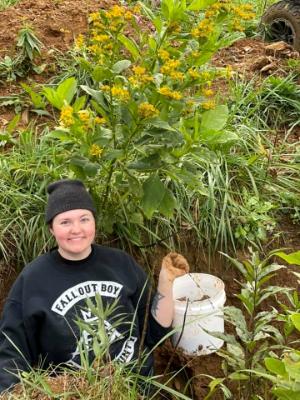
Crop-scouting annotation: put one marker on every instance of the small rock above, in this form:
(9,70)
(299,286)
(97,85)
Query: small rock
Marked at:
(261,62)
(268,67)
(277,46)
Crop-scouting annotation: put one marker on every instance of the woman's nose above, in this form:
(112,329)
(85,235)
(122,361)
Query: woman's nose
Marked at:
(76,227)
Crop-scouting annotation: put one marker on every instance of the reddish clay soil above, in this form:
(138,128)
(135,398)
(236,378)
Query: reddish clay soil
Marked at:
(56,23)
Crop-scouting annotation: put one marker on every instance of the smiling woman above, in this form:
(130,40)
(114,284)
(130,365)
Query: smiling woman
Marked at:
(70,214)
(74,232)
(40,317)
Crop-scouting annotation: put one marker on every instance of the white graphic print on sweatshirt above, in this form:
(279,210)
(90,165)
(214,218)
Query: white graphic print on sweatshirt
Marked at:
(83,291)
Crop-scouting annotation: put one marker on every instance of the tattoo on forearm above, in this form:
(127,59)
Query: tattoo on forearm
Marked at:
(158,296)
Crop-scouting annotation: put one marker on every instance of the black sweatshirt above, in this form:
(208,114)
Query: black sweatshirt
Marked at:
(49,296)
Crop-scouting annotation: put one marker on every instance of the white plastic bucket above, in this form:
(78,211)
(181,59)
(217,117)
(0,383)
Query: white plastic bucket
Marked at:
(199,298)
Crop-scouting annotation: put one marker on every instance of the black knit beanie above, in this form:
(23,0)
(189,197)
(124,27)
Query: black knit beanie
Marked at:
(65,195)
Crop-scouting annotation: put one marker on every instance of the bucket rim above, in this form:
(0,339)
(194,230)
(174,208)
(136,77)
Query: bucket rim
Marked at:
(203,304)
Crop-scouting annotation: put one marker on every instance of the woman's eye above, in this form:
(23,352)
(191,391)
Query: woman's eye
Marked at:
(86,219)
(65,222)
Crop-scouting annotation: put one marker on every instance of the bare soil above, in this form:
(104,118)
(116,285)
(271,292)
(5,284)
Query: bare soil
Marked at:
(56,23)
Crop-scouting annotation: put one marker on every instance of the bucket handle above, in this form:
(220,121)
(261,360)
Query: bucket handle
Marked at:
(179,338)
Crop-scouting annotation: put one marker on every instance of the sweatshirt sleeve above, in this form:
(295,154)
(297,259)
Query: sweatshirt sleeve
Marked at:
(14,345)
(155,332)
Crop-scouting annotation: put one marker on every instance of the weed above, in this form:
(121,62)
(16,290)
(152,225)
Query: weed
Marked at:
(28,47)
(247,350)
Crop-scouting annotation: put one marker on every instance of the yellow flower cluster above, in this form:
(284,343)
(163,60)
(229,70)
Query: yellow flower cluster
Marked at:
(235,13)
(229,71)
(215,9)
(209,105)
(94,16)
(79,42)
(169,68)
(196,54)
(138,70)
(164,54)
(203,29)
(105,88)
(116,91)
(174,27)
(84,115)
(104,25)
(190,107)
(140,76)
(66,116)
(117,11)
(100,120)
(236,26)
(171,94)
(205,75)
(136,9)
(120,93)
(147,110)
(244,11)
(193,73)
(101,38)
(95,150)
(207,92)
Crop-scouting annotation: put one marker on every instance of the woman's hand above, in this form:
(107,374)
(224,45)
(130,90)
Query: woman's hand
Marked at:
(173,266)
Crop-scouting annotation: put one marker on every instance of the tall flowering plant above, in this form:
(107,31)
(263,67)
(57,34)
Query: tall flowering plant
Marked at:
(151,102)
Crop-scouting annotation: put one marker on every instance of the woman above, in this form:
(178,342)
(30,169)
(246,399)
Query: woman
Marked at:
(39,325)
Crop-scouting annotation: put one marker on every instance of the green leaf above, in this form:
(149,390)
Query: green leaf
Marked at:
(79,103)
(238,376)
(150,163)
(152,43)
(286,394)
(4,138)
(214,120)
(120,66)
(296,320)
(96,95)
(237,264)
(36,98)
(275,366)
(13,123)
(63,136)
(91,169)
(67,89)
(154,192)
(130,45)
(270,291)
(52,97)
(213,384)
(268,270)
(219,138)
(159,123)
(63,94)
(167,204)
(292,258)
(197,5)
(100,73)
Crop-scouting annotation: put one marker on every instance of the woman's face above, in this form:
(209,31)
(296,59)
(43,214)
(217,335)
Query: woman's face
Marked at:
(74,232)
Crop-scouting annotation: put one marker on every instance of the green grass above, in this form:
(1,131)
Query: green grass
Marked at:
(7,3)
(25,171)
